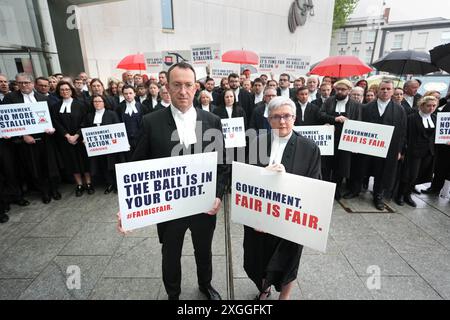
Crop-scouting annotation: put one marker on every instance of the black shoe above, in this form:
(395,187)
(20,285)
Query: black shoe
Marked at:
(46,199)
(264,294)
(22,202)
(379,204)
(399,200)
(365,186)
(90,189)
(431,191)
(3,218)
(109,189)
(79,190)
(56,195)
(351,195)
(409,201)
(210,292)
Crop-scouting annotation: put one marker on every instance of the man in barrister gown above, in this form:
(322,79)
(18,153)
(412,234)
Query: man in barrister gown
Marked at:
(410,96)
(189,124)
(38,151)
(270,260)
(325,93)
(243,97)
(308,114)
(384,111)
(335,111)
(259,120)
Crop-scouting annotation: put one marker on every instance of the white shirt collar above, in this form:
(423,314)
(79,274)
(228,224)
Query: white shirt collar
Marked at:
(340,105)
(426,120)
(229,111)
(277,148)
(409,99)
(29,97)
(186,123)
(131,108)
(266,111)
(206,108)
(164,104)
(259,97)
(284,92)
(1,96)
(236,94)
(98,116)
(66,106)
(382,105)
(312,96)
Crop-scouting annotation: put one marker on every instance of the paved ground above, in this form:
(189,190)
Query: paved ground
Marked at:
(41,244)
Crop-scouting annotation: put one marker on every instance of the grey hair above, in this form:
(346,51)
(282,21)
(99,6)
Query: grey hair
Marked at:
(269,88)
(389,81)
(278,102)
(361,90)
(25,75)
(208,94)
(409,82)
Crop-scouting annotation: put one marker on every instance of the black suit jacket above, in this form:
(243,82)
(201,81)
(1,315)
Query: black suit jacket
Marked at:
(120,110)
(257,120)
(407,108)
(236,113)
(246,102)
(327,111)
(17,97)
(311,116)
(292,93)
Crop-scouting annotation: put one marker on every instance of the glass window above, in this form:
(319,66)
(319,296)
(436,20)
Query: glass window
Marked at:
(167,14)
(398,41)
(343,37)
(368,58)
(356,37)
(371,34)
(445,37)
(342,52)
(355,52)
(421,40)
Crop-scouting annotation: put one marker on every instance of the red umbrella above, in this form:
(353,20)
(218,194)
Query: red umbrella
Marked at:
(133,62)
(341,66)
(241,57)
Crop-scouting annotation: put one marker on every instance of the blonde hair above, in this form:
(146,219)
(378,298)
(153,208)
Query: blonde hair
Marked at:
(427,99)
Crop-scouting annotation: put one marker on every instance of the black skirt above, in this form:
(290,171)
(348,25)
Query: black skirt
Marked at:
(270,258)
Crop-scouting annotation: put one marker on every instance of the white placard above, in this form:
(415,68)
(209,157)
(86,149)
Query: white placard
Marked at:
(107,139)
(154,62)
(233,132)
(366,138)
(159,190)
(271,63)
(203,54)
(297,64)
(443,128)
(219,70)
(289,206)
(24,118)
(169,58)
(323,136)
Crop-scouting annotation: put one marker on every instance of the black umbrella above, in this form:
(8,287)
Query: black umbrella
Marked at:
(440,56)
(406,62)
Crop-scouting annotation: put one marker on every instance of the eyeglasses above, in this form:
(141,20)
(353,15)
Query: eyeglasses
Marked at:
(179,86)
(285,117)
(23,83)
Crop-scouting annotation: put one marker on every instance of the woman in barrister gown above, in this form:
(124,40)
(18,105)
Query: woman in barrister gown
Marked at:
(229,108)
(68,116)
(268,259)
(103,165)
(420,150)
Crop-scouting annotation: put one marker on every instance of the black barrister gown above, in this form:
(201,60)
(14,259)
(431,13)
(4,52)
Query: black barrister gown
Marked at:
(41,161)
(74,156)
(394,115)
(237,112)
(340,163)
(311,116)
(442,161)
(419,151)
(110,160)
(267,256)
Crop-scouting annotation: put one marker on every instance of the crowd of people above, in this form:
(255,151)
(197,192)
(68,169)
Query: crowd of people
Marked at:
(152,108)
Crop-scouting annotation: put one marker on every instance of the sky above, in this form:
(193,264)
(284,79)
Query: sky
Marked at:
(405,9)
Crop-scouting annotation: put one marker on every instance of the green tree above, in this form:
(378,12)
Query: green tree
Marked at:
(342,10)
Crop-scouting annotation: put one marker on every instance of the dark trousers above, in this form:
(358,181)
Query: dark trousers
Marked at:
(441,167)
(412,167)
(202,230)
